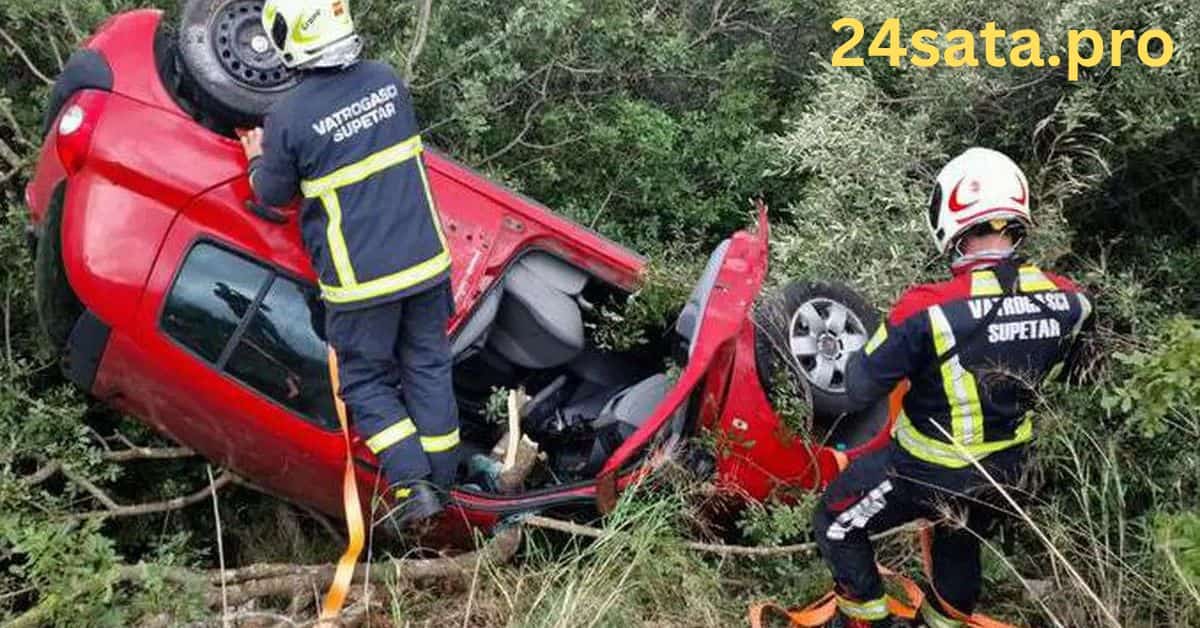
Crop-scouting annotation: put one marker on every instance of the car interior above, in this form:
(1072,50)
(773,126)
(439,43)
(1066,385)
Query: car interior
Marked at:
(531,332)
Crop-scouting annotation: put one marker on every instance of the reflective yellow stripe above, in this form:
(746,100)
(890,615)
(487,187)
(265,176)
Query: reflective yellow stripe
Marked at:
(337,244)
(392,435)
(946,454)
(390,283)
(934,618)
(403,493)
(878,339)
(1034,280)
(962,391)
(360,170)
(349,289)
(438,444)
(870,611)
(985,284)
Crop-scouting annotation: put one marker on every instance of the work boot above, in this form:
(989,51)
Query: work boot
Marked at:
(413,505)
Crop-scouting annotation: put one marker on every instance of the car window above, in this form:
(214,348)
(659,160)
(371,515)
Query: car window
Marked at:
(257,326)
(281,355)
(211,295)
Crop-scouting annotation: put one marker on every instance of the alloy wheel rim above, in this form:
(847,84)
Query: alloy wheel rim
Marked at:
(822,336)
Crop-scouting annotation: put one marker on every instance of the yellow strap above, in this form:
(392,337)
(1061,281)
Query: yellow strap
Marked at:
(389,284)
(335,599)
(360,170)
(438,444)
(397,432)
(962,391)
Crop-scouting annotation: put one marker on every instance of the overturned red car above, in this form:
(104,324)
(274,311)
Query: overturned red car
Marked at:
(176,298)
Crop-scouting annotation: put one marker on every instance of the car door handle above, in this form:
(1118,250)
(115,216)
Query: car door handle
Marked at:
(269,214)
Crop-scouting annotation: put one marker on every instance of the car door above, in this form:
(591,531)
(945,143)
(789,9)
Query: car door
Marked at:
(229,359)
(723,317)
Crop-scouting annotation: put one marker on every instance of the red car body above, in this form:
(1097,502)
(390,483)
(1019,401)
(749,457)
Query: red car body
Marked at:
(141,183)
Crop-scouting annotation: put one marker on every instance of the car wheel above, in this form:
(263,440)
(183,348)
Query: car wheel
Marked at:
(58,307)
(805,336)
(228,63)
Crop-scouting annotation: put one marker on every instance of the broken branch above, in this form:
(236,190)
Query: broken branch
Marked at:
(576,529)
(114,509)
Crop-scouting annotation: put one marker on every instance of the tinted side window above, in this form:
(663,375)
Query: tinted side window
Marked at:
(281,355)
(212,294)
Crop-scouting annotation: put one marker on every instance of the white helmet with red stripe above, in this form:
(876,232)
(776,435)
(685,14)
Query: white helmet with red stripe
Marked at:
(979,186)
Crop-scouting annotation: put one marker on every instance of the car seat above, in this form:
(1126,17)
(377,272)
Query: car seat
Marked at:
(539,324)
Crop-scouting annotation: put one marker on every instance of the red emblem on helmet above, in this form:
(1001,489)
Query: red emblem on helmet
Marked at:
(955,204)
(1024,193)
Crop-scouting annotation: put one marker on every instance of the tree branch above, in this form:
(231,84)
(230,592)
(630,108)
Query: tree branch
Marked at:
(419,40)
(148,453)
(116,510)
(24,57)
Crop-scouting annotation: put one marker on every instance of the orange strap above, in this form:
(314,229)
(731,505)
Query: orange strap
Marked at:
(335,599)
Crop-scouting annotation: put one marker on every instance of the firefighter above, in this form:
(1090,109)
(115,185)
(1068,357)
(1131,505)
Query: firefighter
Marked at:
(346,138)
(975,349)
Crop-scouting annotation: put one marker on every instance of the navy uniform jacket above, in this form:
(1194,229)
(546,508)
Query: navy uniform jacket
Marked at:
(348,141)
(975,353)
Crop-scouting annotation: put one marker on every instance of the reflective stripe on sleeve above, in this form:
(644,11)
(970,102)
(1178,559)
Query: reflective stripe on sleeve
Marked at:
(438,444)
(392,435)
(879,338)
(1085,311)
(962,391)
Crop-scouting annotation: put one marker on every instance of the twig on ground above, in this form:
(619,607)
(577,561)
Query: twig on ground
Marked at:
(220,546)
(148,453)
(568,527)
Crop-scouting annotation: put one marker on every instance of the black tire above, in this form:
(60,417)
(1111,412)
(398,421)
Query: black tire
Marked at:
(225,69)
(58,307)
(778,319)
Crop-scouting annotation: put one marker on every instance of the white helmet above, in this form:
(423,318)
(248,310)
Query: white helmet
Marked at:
(979,186)
(312,33)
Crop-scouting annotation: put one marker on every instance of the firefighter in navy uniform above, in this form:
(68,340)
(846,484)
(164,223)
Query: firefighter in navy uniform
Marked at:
(975,348)
(347,139)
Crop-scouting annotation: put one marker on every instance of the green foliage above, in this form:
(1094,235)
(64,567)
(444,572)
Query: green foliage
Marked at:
(1179,536)
(1164,382)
